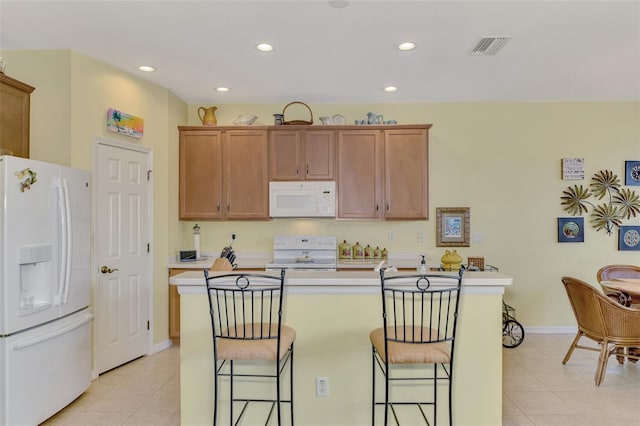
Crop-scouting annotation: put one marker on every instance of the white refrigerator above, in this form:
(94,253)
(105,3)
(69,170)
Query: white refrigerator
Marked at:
(45,289)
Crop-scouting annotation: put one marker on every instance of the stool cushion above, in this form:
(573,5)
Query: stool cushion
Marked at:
(253,342)
(418,352)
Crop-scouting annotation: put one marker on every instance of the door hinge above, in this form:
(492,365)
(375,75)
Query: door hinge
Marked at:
(148,325)
(149,175)
(148,248)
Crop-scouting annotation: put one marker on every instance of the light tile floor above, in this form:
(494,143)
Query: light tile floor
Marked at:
(143,392)
(537,389)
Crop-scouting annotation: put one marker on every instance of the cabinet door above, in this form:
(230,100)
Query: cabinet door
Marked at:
(14,116)
(285,155)
(406,174)
(319,153)
(200,171)
(359,174)
(245,179)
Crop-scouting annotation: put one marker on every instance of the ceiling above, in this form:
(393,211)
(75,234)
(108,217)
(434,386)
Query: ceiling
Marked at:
(559,51)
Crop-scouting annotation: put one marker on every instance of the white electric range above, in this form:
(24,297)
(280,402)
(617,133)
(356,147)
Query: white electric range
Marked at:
(304,253)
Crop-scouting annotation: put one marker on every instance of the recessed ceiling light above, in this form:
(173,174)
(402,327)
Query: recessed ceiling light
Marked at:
(407,45)
(222,89)
(264,47)
(146,68)
(390,89)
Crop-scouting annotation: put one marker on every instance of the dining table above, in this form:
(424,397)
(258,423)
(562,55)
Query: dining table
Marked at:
(627,289)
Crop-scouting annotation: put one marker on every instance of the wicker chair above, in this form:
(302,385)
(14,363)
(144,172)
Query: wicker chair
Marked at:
(602,320)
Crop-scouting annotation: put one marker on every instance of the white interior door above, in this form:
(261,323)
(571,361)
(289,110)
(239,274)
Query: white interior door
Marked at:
(123,293)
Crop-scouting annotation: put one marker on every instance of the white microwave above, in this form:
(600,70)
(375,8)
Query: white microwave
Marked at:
(302,199)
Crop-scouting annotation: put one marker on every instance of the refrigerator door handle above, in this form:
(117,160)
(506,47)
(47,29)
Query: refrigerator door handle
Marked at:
(63,244)
(69,238)
(22,344)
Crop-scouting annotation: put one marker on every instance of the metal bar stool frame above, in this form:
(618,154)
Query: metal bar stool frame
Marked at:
(415,309)
(246,313)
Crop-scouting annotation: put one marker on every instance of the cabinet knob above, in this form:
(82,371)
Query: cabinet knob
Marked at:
(218,206)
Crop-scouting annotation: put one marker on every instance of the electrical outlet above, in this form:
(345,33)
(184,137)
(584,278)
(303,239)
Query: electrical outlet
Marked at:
(322,386)
(477,237)
(420,237)
(392,237)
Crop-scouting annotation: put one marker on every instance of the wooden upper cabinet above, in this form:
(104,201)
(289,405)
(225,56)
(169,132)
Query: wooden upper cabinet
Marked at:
(223,174)
(360,174)
(285,155)
(245,177)
(383,173)
(319,154)
(200,174)
(406,174)
(15,111)
(302,155)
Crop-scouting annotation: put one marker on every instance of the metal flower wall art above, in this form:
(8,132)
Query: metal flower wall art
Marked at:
(618,204)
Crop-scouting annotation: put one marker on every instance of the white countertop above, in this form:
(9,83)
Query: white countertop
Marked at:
(243,261)
(358,281)
(259,260)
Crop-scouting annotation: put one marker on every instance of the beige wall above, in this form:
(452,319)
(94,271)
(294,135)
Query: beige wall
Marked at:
(500,159)
(69,108)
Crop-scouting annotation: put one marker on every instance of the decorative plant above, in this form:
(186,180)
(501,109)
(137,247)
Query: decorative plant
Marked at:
(621,204)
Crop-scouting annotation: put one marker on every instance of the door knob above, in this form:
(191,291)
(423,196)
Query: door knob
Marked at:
(107,270)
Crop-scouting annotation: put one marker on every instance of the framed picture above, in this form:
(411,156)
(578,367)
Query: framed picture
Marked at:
(452,226)
(632,173)
(629,238)
(127,124)
(570,229)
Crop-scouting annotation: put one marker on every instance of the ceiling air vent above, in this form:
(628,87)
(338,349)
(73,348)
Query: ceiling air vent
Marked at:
(489,46)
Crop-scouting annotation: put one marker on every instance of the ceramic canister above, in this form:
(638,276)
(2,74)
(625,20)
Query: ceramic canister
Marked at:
(358,251)
(344,250)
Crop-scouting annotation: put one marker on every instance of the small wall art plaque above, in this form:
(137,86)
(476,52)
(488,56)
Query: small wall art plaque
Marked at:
(570,229)
(632,173)
(629,238)
(572,168)
(126,124)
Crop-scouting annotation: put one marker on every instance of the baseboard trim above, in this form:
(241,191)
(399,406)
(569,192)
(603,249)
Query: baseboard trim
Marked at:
(161,346)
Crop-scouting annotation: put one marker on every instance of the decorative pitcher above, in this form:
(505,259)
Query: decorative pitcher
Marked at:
(372,118)
(208,116)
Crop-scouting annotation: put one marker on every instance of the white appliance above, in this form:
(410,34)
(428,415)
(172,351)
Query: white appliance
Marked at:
(303,253)
(302,199)
(45,284)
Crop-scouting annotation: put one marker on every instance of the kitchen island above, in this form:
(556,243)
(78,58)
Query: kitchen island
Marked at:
(333,313)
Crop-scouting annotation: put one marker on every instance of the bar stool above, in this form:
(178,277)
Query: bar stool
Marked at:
(419,317)
(246,323)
